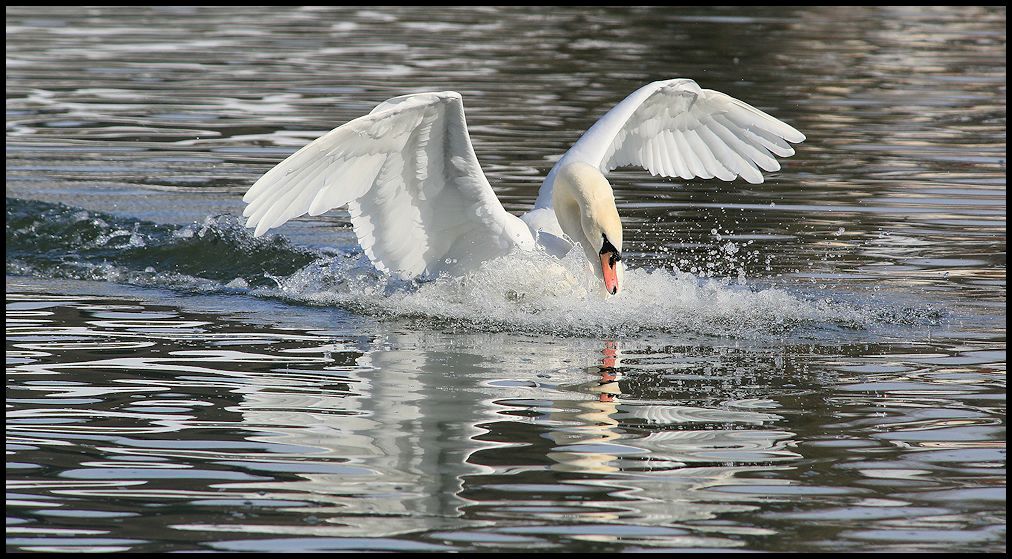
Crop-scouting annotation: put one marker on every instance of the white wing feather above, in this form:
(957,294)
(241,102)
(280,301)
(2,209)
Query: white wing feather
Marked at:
(674,128)
(418,199)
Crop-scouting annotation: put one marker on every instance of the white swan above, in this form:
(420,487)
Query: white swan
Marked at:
(421,205)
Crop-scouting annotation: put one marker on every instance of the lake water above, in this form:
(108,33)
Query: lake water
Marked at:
(816,363)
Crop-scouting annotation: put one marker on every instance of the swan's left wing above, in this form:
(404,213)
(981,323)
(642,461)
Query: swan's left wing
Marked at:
(675,128)
(418,199)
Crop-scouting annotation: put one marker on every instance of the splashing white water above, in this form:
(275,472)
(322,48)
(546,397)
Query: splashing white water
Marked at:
(524,292)
(535,292)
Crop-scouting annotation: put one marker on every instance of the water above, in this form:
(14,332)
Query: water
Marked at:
(816,363)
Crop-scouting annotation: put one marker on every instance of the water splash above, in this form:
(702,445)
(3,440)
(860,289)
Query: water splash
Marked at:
(535,292)
(520,292)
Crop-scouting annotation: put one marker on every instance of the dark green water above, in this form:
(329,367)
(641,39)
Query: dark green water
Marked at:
(816,363)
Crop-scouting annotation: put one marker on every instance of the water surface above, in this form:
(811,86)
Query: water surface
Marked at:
(816,363)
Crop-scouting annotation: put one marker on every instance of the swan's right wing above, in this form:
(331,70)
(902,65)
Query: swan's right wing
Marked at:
(418,199)
(674,128)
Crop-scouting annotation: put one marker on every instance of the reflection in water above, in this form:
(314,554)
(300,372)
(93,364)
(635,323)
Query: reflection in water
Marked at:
(582,437)
(429,438)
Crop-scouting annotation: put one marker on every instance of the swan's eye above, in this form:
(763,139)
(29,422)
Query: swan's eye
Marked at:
(607,248)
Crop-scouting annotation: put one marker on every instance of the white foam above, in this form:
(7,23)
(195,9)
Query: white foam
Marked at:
(535,292)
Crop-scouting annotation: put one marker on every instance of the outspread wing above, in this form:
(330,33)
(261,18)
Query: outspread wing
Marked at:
(418,199)
(675,128)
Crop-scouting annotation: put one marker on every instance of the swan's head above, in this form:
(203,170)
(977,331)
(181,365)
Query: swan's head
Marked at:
(585,206)
(603,229)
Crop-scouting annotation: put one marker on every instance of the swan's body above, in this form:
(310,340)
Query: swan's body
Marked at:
(421,205)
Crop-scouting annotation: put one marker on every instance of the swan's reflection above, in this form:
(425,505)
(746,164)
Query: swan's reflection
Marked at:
(458,431)
(409,431)
(592,423)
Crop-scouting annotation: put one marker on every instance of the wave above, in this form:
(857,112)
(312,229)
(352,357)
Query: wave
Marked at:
(520,292)
(53,240)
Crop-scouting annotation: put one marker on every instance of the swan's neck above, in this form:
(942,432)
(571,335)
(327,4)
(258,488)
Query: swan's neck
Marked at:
(585,207)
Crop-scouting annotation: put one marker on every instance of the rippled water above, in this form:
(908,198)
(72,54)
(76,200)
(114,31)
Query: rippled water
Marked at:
(816,363)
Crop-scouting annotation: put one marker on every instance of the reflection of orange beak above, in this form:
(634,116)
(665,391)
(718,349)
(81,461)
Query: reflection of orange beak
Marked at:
(608,265)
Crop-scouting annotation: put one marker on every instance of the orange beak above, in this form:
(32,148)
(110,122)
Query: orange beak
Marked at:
(608,264)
